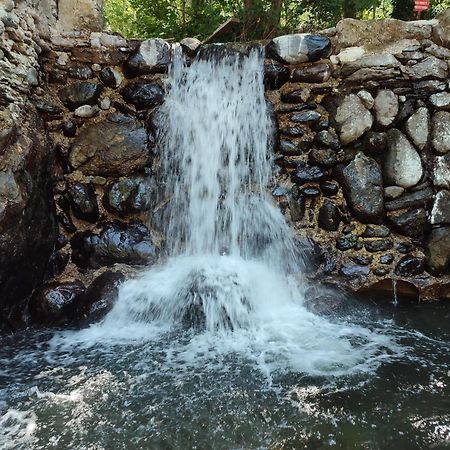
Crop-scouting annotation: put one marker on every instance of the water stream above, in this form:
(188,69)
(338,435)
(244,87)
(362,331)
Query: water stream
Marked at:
(214,347)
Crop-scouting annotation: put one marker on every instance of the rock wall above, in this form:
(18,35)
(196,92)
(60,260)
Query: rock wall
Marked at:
(362,113)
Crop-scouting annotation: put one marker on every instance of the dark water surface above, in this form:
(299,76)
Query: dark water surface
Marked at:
(151,396)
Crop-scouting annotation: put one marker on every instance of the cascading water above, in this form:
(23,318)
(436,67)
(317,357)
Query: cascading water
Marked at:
(234,266)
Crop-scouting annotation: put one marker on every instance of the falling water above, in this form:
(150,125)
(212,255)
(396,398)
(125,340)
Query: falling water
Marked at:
(234,268)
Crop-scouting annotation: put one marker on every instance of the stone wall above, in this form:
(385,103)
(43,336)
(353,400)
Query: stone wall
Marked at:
(362,157)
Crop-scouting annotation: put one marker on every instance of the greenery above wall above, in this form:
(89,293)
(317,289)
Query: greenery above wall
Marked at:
(176,19)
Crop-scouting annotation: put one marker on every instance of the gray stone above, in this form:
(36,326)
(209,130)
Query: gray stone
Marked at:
(386,107)
(402,166)
(83,201)
(363,188)
(440,124)
(354,270)
(430,67)
(441,171)
(299,48)
(440,100)
(152,56)
(437,251)
(392,192)
(380,61)
(353,119)
(373,74)
(87,111)
(415,199)
(115,146)
(441,29)
(190,46)
(440,214)
(366,98)
(329,216)
(418,127)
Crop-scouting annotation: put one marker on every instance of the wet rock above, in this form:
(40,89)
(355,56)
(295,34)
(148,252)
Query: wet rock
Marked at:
(386,107)
(117,242)
(440,124)
(324,157)
(152,56)
(83,201)
(288,148)
(69,128)
(404,247)
(386,259)
(297,208)
(190,46)
(130,195)
(424,89)
(441,171)
(362,260)
(329,216)
(292,131)
(311,73)
(417,127)
(275,74)
(56,302)
(410,223)
(381,271)
(430,67)
(345,243)
(437,250)
(305,174)
(66,222)
(81,73)
(100,297)
(329,188)
(402,165)
(297,96)
(354,270)
(306,117)
(409,266)
(47,107)
(362,184)
(280,191)
(422,197)
(114,147)
(393,192)
(353,119)
(143,95)
(299,48)
(310,192)
(328,140)
(8,130)
(378,245)
(440,214)
(440,101)
(376,231)
(111,77)
(374,143)
(81,93)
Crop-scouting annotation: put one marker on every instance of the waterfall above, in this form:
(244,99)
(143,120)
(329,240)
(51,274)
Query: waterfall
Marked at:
(232,280)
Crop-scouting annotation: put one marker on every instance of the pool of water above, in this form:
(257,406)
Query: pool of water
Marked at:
(157,393)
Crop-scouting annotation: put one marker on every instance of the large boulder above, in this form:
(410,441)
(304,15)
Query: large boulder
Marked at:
(117,242)
(27,217)
(152,56)
(441,131)
(114,147)
(299,48)
(402,165)
(143,95)
(438,251)
(353,119)
(441,30)
(362,184)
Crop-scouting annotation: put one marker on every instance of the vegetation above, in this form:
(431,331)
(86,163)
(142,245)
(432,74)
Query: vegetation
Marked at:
(259,19)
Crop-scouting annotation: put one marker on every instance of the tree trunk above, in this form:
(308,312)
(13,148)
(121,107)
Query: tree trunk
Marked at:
(403,9)
(349,9)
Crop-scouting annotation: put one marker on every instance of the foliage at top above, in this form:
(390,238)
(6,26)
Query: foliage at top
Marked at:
(259,19)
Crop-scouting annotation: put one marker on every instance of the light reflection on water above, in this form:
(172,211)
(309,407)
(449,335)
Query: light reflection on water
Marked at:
(142,396)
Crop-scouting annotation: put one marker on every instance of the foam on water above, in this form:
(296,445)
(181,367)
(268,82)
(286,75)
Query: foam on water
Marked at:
(234,267)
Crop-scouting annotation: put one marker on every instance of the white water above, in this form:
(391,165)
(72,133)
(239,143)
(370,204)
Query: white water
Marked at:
(234,270)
